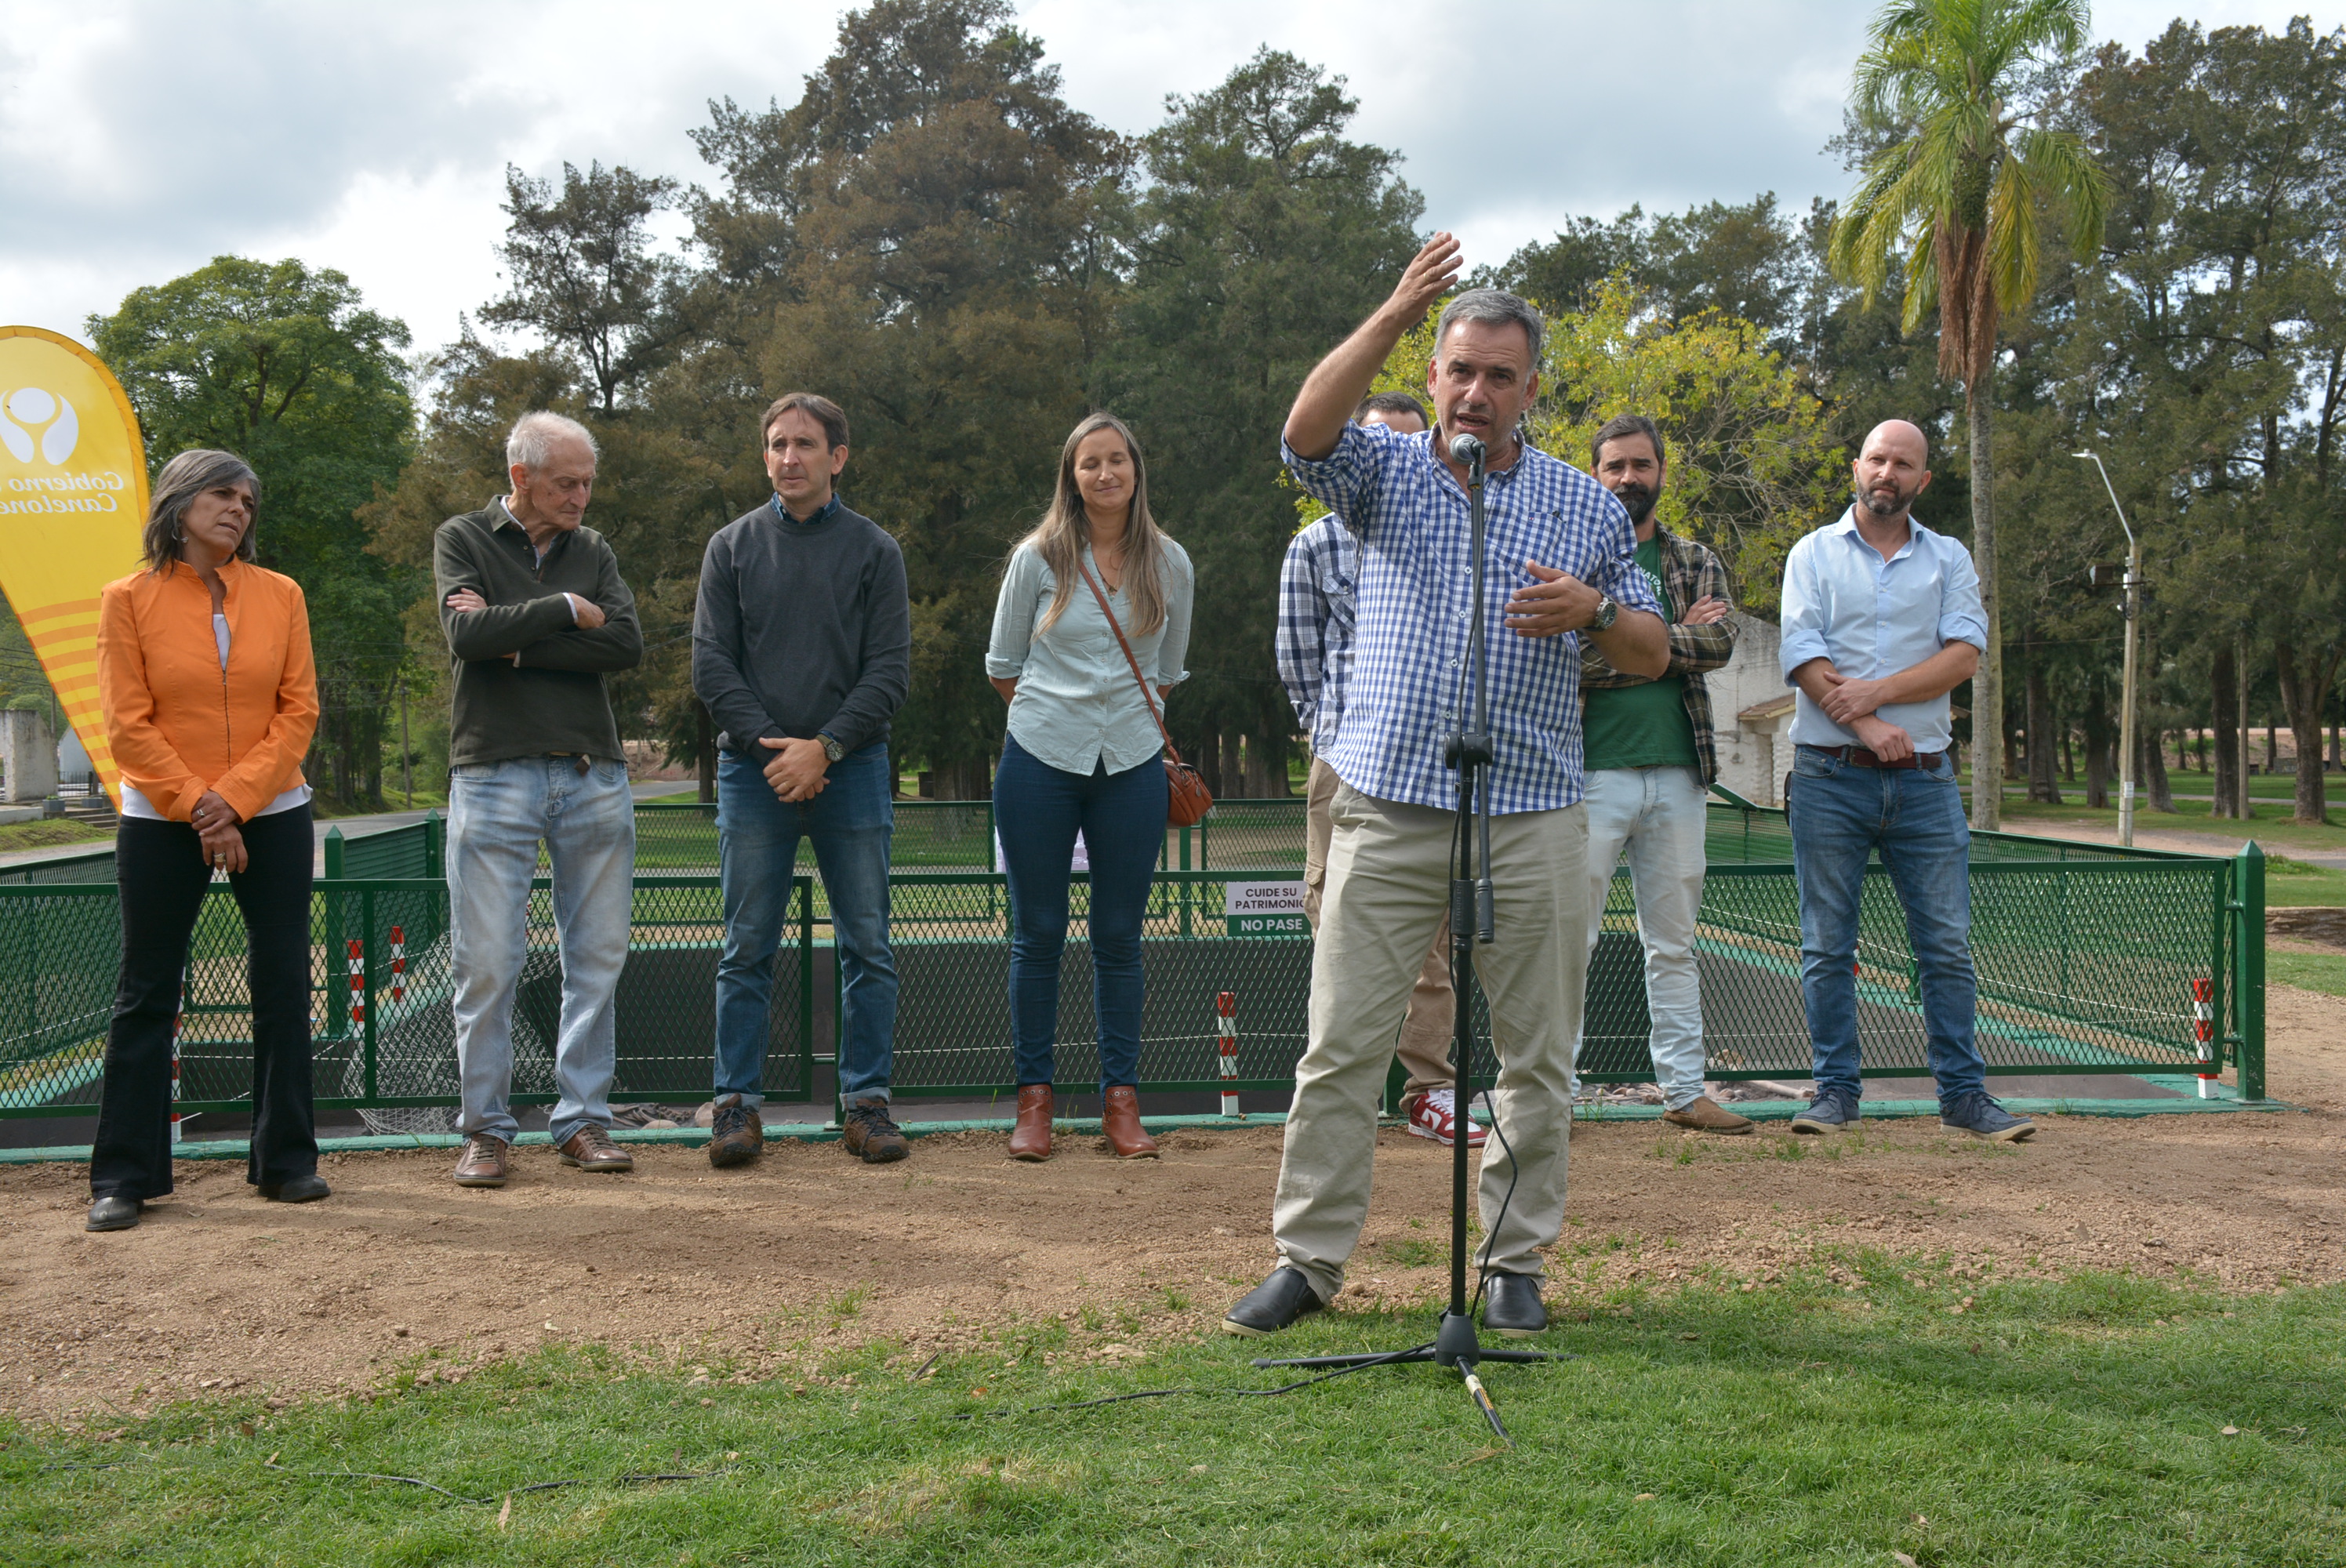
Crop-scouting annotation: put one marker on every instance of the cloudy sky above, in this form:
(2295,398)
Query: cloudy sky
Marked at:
(138,140)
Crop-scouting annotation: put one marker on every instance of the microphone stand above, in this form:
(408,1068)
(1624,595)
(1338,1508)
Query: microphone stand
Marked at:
(1473,919)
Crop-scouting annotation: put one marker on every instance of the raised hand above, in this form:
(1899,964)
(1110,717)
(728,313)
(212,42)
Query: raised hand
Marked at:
(1431,273)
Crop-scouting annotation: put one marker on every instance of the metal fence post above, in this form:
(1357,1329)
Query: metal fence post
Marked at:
(339,1026)
(2248,969)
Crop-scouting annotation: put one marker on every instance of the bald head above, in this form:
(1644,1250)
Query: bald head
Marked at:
(1891,469)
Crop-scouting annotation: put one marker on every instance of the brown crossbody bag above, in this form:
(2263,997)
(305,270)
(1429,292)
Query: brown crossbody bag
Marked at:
(1186,799)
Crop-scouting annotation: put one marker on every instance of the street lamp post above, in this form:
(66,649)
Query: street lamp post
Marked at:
(2133,620)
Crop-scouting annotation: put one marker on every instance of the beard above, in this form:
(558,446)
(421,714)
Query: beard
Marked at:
(1900,500)
(1637,500)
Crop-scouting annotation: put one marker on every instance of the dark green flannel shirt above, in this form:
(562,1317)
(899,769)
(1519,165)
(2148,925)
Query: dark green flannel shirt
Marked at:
(1689,572)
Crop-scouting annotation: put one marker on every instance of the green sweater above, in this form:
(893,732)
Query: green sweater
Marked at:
(528,679)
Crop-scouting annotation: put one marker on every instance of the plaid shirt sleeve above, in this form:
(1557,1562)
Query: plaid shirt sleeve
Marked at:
(1302,646)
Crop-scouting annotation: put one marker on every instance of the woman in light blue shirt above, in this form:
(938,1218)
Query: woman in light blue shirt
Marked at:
(1083,755)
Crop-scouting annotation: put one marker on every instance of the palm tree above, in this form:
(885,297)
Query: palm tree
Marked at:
(1962,201)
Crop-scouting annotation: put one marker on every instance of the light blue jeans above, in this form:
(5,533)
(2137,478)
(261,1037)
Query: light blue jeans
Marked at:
(1840,814)
(498,813)
(850,825)
(1656,815)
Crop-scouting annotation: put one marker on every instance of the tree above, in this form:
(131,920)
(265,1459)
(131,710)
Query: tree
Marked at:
(287,368)
(584,275)
(1963,199)
(2209,363)
(928,235)
(1264,237)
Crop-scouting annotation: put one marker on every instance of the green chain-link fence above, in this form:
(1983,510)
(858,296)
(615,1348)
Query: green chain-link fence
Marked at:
(2087,959)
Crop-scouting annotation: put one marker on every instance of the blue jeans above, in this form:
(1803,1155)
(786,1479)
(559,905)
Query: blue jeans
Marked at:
(498,813)
(757,836)
(1038,810)
(1839,814)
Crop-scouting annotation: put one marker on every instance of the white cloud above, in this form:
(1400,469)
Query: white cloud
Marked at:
(140,138)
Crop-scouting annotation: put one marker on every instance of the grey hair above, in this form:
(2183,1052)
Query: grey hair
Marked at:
(534,434)
(1499,308)
(183,479)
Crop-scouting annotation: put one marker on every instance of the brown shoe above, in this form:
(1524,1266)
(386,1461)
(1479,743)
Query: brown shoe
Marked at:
(1120,1120)
(736,1135)
(873,1135)
(590,1148)
(482,1163)
(1705,1115)
(1031,1138)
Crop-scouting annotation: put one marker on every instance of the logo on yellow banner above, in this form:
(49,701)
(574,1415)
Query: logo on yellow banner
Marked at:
(73,502)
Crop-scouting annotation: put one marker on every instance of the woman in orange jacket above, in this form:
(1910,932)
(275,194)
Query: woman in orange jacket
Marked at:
(210,696)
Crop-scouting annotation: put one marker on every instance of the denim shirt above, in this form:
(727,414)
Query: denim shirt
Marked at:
(1873,618)
(1078,706)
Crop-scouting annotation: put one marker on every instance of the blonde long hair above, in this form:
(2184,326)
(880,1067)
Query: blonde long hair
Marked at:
(1065,528)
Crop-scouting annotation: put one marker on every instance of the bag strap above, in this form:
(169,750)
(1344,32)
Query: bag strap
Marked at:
(1145,694)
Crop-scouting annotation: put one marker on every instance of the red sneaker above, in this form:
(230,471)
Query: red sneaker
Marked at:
(1434,1114)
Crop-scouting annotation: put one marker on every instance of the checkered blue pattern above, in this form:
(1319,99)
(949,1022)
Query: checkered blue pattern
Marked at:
(1315,625)
(1403,686)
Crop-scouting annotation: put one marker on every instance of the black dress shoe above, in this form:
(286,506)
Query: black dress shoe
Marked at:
(1511,1308)
(1272,1305)
(300,1189)
(113,1214)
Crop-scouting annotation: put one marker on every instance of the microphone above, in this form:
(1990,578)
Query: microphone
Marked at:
(1467,449)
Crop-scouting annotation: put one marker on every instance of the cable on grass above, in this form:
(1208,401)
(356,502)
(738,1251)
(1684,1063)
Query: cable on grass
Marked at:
(1391,1358)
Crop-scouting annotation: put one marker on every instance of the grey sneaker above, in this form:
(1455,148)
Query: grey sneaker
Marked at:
(1978,1114)
(1832,1111)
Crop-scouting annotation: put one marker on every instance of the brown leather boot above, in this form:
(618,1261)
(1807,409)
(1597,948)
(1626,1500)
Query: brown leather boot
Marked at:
(1031,1138)
(1120,1120)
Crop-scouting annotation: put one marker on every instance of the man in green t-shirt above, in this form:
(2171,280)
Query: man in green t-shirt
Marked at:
(1647,761)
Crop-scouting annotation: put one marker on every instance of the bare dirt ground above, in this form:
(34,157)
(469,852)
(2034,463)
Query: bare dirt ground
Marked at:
(767,1272)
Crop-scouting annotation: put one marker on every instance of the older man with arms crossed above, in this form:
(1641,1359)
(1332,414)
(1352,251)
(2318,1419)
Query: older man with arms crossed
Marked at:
(536,613)
(1315,649)
(1555,530)
(1882,621)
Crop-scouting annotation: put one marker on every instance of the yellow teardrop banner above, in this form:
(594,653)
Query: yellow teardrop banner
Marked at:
(73,504)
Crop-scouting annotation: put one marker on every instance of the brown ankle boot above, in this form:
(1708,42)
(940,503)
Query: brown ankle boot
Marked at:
(1120,1120)
(1031,1138)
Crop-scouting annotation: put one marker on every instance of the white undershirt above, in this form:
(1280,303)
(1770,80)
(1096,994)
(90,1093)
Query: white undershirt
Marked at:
(135,804)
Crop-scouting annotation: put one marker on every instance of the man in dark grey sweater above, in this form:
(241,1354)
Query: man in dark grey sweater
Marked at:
(536,613)
(802,650)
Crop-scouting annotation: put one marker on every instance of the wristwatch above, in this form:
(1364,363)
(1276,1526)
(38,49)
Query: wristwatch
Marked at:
(1606,613)
(831,748)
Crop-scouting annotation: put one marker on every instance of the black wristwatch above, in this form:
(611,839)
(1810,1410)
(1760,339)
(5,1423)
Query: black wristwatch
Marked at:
(831,748)
(1608,612)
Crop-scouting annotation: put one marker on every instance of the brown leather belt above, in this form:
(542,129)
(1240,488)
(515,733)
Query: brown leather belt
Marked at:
(1859,756)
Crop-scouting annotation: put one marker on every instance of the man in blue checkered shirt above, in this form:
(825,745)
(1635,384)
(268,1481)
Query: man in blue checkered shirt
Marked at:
(1560,566)
(1313,648)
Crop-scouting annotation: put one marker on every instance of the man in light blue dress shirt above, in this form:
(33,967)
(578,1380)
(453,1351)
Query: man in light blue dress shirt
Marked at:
(1566,548)
(1882,621)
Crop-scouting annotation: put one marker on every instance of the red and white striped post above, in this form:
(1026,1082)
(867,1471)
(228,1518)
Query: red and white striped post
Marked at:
(358,987)
(397,966)
(2203,1024)
(1227,1006)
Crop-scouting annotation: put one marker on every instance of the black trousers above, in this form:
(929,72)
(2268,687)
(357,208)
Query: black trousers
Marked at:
(162,871)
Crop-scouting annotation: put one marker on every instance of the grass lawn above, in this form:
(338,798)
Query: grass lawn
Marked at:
(2322,972)
(2272,826)
(49,835)
(2096,1420)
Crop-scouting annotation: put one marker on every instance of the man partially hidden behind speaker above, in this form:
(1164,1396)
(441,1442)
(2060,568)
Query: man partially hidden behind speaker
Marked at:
(1567,548)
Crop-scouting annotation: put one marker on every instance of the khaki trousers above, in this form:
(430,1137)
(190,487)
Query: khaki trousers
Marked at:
(1388,885)
(1424,1043)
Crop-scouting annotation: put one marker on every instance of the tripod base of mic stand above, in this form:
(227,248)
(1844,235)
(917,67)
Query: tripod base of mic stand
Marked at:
(1456,1345)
